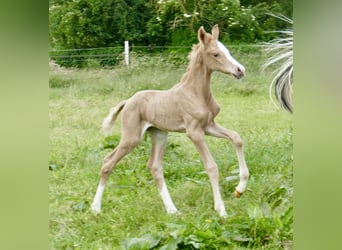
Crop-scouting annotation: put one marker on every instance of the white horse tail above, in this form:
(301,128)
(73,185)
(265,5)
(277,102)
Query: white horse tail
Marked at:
(108,122)
(283,87)
(280,51)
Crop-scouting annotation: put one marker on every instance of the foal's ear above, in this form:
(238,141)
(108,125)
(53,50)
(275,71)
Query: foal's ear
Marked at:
(215,32)
(202,36)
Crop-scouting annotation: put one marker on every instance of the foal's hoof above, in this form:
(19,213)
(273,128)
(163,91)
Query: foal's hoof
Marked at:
(223,215)
(95,208)
(237,194)
(173,212)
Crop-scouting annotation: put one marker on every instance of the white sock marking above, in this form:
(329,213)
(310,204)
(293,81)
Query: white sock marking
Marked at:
(96,205)
(169,206)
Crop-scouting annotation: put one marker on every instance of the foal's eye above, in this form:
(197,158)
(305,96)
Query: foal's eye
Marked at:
(216,55)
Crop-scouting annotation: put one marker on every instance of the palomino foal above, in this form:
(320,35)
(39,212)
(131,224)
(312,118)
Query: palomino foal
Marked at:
(188,107)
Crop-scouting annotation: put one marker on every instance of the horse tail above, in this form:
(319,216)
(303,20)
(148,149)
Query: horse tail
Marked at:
(108,122)
(281,55)
(283,88)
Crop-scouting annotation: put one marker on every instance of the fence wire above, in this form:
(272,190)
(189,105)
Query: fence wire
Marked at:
(113,54)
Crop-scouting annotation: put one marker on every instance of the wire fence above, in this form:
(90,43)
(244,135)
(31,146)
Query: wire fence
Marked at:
(87,57)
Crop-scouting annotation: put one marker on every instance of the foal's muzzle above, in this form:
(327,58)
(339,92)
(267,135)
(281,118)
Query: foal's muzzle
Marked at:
(240,72)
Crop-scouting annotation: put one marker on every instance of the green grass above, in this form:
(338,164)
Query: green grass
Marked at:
(133,215)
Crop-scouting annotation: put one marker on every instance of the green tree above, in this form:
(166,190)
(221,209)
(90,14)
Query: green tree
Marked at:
(106,23)
(88,24)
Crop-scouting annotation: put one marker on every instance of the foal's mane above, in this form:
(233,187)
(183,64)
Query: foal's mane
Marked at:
(193,54)
(193,59)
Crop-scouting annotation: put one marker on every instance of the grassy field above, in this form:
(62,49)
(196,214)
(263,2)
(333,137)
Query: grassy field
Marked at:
(133,215)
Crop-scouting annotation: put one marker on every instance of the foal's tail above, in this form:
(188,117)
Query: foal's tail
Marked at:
(108,122)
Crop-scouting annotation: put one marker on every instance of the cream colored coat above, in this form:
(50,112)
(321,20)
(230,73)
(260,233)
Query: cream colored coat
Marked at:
(187,107)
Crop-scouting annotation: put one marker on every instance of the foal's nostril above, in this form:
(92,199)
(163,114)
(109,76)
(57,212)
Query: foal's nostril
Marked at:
(240,71)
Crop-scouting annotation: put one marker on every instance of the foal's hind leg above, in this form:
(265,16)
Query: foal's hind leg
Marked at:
(129,140)
(158,139)
(221,132)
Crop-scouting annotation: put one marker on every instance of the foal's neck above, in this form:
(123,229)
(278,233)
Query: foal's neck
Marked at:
(197,79)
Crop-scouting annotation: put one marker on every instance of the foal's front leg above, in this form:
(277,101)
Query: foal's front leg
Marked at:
(198,139)
(221,132)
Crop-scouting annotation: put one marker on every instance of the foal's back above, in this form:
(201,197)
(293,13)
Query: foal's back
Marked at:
(159,108)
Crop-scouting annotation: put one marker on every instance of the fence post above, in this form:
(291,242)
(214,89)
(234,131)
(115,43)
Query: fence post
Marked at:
(127,52)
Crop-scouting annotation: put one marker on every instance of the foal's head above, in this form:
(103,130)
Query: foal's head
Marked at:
(216,56)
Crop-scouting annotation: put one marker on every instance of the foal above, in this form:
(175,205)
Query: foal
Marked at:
(188,107)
